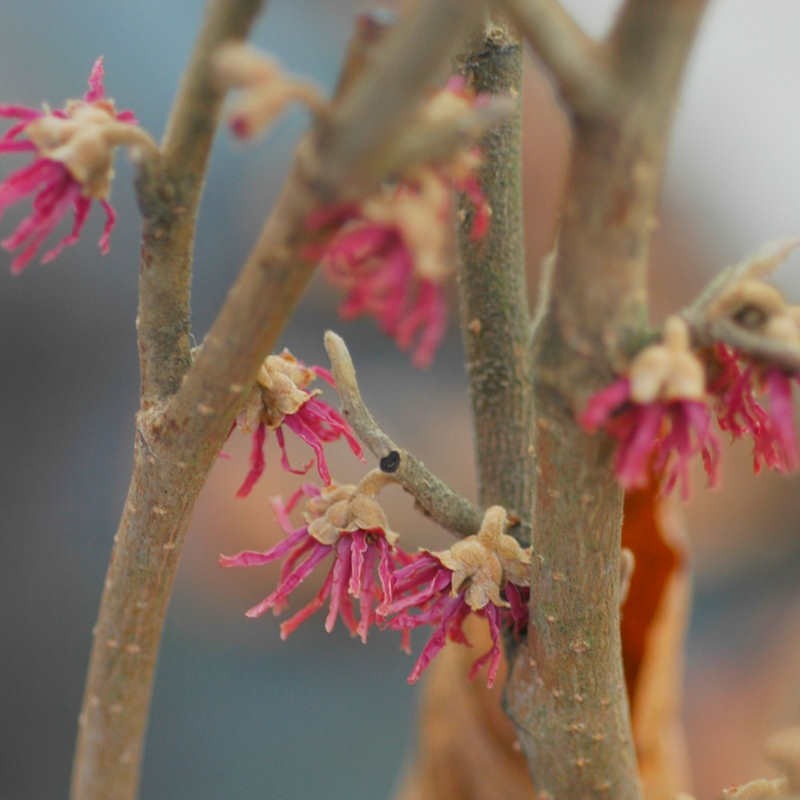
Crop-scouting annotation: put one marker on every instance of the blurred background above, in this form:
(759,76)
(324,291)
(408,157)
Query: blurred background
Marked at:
(237,713)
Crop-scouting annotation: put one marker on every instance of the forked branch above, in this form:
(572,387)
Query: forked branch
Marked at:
(434,497)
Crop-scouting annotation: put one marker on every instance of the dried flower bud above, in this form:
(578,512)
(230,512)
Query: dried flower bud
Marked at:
(84,142)
(748,295)
(266,89)
(760,308)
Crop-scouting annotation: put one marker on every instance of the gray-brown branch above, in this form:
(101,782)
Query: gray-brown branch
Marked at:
(493,293)
(566,693)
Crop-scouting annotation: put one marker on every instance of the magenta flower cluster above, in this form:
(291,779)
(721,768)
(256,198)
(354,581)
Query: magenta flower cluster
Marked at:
(660,435)
(656,438)
(391,253)
(742,413)
(279,401)
(395,590)
(422,589)
(54,187)
(362,564)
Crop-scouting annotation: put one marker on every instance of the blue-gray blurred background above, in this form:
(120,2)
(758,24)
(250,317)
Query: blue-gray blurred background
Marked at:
(236,712)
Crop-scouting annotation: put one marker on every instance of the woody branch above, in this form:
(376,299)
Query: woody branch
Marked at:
(186,411)
(566,693)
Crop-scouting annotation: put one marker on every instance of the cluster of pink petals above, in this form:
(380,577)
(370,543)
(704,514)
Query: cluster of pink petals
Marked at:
(373,264)
(55,191)
(316,423)
(421,595)
(740,413)
(377,267)
(361,570)
(661,437)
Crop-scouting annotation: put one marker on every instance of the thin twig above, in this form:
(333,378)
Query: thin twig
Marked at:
(178,438)
(434,497)
(169,197)
(575,61)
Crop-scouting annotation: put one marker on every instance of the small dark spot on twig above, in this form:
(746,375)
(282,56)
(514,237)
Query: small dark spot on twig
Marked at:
(390,462)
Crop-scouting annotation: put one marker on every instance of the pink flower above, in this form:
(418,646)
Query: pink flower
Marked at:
(372,262)
(662,436)
(393,252)
(442,589)
(741,414)
(280,400)
(72,166)
(344,522)
(658,415)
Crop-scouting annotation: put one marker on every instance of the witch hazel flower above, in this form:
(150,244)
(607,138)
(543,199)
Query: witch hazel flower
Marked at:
(740,381)
(658,414)
(392,260)
(266,90)
(487,574)
(347,524)
(280,400)
(73,149)
(393,252)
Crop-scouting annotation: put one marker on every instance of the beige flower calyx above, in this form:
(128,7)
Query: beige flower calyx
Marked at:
(482,564)
(280,390)
(418,217)
(346,507)
(266,89)
(667,371)
(417,214)
(84,142)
